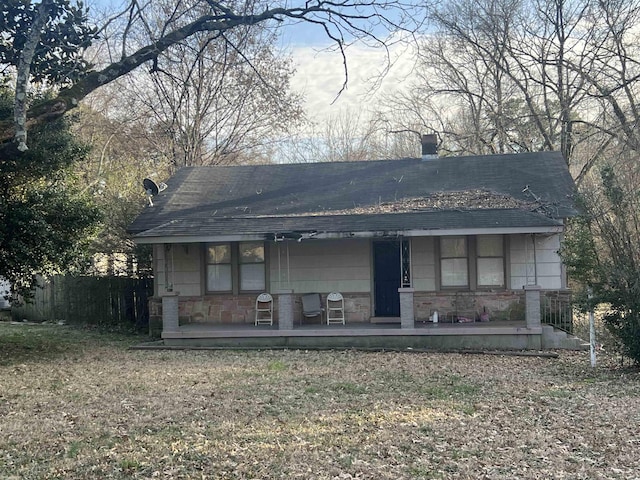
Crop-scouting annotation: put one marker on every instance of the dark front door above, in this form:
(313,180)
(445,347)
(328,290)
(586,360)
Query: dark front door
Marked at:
(386,278)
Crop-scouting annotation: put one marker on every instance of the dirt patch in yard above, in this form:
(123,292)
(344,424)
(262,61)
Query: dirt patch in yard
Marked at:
(94,409)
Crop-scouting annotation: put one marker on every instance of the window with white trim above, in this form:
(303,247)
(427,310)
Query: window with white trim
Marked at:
(219,267)
(233,267)
(454,264)
(252,266)
(490,260)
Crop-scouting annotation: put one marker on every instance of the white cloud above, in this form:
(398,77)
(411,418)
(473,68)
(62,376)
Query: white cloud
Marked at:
(320,76)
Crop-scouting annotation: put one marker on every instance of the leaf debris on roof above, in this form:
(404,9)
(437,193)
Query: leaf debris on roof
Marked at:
(457,200)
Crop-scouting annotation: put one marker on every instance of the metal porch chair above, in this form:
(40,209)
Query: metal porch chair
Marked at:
(335,308)
(264,309)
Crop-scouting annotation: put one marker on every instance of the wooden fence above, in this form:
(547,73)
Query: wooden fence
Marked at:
(89,300)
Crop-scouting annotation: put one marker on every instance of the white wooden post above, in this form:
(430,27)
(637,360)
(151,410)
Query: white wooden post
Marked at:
(170,317)
(532,306)
(285,309)
(407,316)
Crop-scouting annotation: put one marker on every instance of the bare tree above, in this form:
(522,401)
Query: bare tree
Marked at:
(347,136)
(508,75)
(142,41)
(124,150)
(611,77)
(209,95)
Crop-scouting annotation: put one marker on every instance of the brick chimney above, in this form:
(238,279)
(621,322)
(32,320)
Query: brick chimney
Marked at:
(429,146)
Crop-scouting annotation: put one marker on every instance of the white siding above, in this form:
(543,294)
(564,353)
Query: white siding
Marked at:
(345,265)
(183,262)
(423,264)
(321,266)
(539,264)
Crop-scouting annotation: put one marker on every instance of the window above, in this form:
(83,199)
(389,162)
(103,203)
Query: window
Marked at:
(233,267)
(219,267)
(490,260)
(454,269)
(252,266)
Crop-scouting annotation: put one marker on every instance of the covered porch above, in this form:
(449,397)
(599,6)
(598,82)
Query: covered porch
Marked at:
(404,332)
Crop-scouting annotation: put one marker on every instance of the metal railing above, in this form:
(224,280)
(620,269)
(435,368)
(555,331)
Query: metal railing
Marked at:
(556,309)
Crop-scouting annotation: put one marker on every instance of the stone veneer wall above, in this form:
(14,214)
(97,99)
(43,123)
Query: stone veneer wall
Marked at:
(227,309)
(357,308)
(240,309)
(230,309)
(215,309)
(502,305)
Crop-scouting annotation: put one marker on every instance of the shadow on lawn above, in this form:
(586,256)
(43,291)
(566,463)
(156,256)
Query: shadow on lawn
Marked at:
(29,343)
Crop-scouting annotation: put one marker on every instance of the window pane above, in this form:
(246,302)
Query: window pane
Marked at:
(219,278)
(489,245)
(453,247)
(490,272)
(219,253)
(252,276)
(252,252)
(454,272)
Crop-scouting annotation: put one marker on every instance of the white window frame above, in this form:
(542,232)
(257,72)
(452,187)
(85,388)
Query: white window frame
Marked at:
(241,264)
(235,268)
(501,257)
(210,264)
(444,257)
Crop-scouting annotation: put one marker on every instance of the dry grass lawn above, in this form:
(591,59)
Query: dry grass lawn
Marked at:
(81,405)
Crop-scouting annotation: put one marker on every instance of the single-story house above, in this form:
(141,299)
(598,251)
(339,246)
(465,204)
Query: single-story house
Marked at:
(452,252)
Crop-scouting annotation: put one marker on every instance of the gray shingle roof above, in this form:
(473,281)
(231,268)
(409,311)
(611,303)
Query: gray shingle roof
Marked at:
(390,195)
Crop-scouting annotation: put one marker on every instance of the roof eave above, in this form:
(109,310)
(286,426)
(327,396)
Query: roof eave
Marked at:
(302,235)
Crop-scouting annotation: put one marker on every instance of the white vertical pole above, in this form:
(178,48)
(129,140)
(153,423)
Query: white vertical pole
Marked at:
(288,268)
(279,266)
(592,334)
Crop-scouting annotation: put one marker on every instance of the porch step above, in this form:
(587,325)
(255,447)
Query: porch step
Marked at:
(553,338)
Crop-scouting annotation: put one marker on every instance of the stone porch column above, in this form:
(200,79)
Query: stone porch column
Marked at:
(407,317)
(170,319)
(285,309)
(532,305)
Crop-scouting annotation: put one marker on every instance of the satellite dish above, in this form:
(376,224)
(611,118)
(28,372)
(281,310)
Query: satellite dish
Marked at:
(152,188)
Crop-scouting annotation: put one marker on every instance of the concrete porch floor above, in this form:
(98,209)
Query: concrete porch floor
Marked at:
(491,335)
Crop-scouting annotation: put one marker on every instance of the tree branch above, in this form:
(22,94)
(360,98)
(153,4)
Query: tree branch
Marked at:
(23,73)
(337,18)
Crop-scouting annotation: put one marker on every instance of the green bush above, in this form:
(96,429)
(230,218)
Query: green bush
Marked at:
(602,253)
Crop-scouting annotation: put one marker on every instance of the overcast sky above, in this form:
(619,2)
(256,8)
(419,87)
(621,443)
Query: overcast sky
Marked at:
(320,75)
(320,72)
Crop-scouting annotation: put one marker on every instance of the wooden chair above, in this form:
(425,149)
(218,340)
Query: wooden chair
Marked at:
(264,309)
(335,308)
